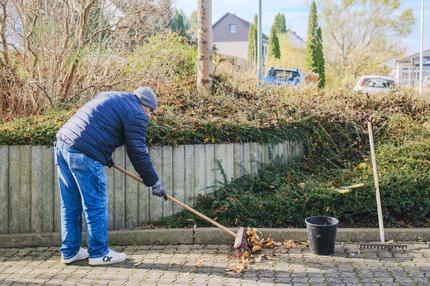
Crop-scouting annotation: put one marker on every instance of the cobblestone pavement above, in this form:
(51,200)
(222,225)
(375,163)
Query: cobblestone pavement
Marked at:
(205,265)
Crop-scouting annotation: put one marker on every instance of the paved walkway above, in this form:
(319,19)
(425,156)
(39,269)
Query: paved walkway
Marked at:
(205,265)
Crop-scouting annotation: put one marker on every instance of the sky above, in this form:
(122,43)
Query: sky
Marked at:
(296,14)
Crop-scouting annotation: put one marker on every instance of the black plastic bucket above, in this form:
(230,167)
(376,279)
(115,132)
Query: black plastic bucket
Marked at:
(322,234)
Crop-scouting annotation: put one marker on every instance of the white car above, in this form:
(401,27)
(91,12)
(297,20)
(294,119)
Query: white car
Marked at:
(375,84)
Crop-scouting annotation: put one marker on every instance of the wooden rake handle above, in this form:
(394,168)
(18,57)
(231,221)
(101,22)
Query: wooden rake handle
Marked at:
(185,206)
(376,179)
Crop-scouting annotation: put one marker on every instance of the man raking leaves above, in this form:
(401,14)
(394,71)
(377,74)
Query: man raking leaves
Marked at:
(85,144)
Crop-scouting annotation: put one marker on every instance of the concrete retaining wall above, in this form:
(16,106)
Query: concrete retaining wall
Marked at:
(215,236)
(29,198)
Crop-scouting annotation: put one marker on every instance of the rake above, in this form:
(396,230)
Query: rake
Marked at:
(382,244)
(240,237)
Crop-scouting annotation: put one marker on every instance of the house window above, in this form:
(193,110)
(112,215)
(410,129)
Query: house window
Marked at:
(232,28)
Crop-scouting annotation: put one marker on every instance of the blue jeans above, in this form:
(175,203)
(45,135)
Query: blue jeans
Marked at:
(82,185)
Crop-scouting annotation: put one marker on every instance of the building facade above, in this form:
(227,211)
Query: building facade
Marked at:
(230,37)
(407,72)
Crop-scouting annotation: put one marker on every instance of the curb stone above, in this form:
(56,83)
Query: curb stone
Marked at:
(188,236)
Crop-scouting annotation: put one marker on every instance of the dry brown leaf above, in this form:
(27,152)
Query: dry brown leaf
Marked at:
(256,248)
(288,243)
(256,243)
(244,257)
(305,243)
(270,243)
(237,269)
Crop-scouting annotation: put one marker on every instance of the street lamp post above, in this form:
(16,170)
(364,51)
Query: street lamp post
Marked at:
(260,46)
(421,49)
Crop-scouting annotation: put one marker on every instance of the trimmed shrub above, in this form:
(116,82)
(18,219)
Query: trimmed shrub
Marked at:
(41,130)
(332,123)
(283,196)
(35,130)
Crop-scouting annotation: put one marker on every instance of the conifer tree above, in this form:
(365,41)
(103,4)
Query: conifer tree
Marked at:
(274,48)
(279,24)
(252,41)
(178,23)
(314,47)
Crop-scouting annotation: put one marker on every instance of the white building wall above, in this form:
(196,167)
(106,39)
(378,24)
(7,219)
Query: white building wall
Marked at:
(408,71)
(295,41)
(237,49)
(408,75)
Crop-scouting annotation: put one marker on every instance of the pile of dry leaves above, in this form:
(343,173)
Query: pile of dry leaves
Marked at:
(257,244)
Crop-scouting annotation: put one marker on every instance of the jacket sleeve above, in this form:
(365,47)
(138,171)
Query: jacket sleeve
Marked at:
(135,130)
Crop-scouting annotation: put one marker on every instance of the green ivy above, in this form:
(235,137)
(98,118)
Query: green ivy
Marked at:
(283,196)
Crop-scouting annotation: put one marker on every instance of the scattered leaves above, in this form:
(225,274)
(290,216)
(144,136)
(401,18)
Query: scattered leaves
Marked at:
(288,243)
(260,249)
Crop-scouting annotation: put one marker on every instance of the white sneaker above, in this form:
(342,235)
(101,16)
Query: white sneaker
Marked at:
(82,254)
(110,258)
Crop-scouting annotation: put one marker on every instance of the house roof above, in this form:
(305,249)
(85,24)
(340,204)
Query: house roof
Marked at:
(265,37)
(295,34)
(410,57)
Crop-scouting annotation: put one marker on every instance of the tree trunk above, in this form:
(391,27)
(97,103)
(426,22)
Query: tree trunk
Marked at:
(205,69)
(3,33)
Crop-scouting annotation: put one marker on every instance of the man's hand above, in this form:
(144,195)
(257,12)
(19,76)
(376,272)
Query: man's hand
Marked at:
(110,163)
(159,191)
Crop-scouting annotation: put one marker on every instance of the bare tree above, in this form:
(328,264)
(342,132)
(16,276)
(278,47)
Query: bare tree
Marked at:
(143,18)
(62,51)
(360,36)
(205,69)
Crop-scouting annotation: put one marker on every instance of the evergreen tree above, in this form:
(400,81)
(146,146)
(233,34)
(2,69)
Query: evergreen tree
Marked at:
(321,61)
(178,24)
(252,41)
(314,47)
(280,24)
(274,48)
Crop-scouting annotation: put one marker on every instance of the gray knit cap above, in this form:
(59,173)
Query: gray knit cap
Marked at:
(146,97)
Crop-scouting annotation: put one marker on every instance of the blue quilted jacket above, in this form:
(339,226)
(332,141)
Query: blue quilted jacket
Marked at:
(109,120)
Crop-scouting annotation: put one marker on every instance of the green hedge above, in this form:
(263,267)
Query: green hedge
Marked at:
(281,196)
(41,130)
(35,130)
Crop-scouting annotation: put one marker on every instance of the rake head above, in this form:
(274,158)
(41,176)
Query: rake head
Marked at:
(382,245)
(241,242)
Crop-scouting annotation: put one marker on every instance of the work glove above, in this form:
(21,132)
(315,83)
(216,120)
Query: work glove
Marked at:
(159,191)
(110,163)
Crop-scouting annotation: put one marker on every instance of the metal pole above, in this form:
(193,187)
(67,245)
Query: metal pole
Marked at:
(421,48)
(260,46)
